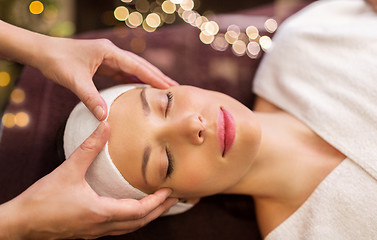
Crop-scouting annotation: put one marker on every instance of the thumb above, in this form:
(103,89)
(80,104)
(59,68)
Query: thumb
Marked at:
(84,155)
(89,95)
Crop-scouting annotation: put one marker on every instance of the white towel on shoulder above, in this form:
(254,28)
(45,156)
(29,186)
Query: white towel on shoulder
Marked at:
(322,68)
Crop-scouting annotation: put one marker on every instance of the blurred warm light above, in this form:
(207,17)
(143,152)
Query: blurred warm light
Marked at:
(176,1)
(199,21)
(142,6)
(239,47)
(187,5)
(121,13)
(169,19)
(21,119)
(229,38)
(153,20)
(234,31)
(17,95)
(252,32)
(180,11)
(147,28)
(135,19)
(253,49)
(185,15)
(210,28)
(138,45)
(219,43)
(126,1)
(36,7)
(265,42)
(8,120)
(206,39)
(4,79)
(168,7)
(271,25)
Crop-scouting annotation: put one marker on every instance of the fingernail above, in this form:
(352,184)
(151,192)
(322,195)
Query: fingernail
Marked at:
(100,129)
(99,112)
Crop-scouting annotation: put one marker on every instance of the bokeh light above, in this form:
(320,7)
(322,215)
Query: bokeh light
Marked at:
(21,119)
(168,7)
(265,42)
(229,38)
(271,25)
(252,32)
(253,49)
(147,28)
(206,39)
(176,1)
(8,120)
(210,28)
(239,48)
(234,31)
(126,1)
(4,79)
(121,13)
(17,95)
(187,5)
(142,6)
(135,19)
(36,7)
(153,20)
(219,43)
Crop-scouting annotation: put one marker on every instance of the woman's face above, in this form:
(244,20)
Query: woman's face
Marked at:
(173,138)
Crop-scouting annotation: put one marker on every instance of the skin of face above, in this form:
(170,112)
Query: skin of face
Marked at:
(189,131)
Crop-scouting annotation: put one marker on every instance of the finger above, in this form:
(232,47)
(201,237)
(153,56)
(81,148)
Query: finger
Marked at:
(141,68)
(131,209)
(89,95)
(123,227)
(84,155)
(161,77)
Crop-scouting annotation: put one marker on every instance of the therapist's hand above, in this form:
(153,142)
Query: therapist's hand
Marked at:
(62,204)
(72,63)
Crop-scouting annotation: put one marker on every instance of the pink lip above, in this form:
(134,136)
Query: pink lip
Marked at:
(226,130)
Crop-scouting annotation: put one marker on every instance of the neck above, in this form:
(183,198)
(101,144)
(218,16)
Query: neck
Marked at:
(268,176)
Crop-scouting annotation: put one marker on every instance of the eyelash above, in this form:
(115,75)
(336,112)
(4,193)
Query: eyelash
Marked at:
(170,169)
(170,165)
(169,95)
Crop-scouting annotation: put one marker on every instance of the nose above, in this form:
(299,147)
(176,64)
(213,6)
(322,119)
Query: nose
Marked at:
(192,128)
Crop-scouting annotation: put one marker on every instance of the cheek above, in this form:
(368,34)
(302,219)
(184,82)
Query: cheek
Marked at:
(200,174)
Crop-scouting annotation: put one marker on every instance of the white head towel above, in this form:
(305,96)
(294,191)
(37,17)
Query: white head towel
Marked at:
(102,175)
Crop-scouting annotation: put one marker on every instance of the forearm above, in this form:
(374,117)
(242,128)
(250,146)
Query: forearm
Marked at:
(20,45)
(11,225)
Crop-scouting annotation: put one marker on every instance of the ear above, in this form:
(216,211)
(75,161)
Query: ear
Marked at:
(189,200)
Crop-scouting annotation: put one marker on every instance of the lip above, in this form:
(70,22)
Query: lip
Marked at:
(226,130)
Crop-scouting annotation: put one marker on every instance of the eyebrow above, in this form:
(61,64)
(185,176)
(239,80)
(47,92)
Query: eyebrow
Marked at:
(147,153)
(146,107)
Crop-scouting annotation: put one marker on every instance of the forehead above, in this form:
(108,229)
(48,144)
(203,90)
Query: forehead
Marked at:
(127,141)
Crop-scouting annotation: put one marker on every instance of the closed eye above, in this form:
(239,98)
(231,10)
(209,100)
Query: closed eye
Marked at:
(170,169)
(169,96)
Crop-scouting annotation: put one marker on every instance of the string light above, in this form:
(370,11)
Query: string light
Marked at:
(162,11)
